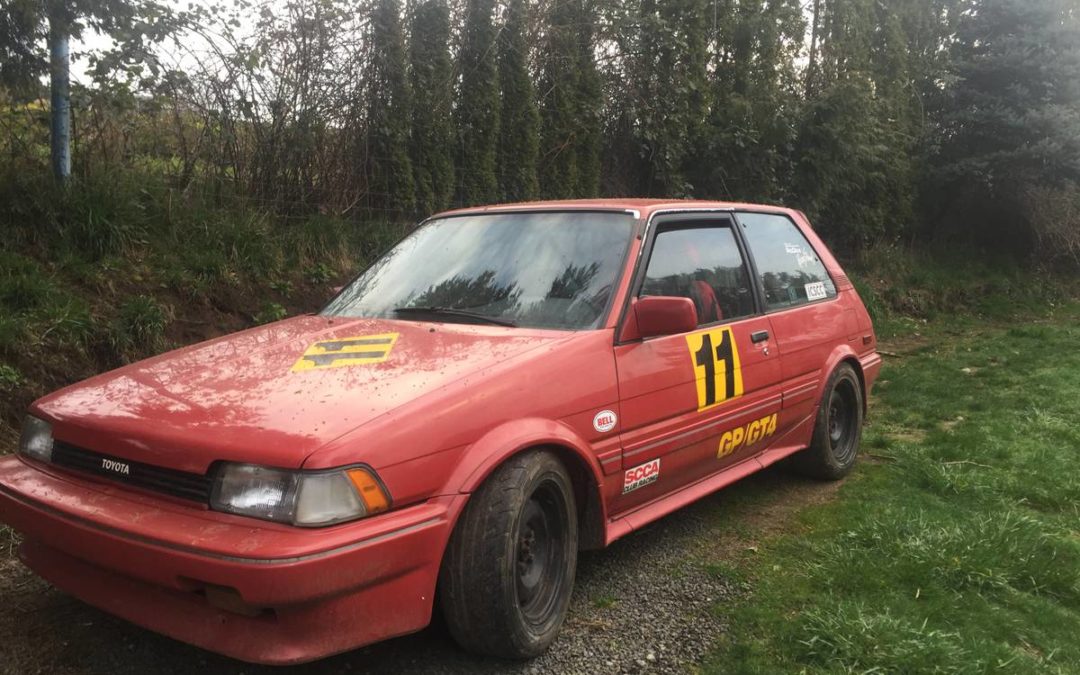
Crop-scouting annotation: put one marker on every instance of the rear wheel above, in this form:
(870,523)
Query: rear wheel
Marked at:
(838,429)
(509,568)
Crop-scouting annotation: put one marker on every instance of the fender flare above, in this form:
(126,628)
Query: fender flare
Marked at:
(493,448)
(482,457)
(842,354)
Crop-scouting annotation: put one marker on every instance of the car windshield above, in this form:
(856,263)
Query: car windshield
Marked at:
(540,270)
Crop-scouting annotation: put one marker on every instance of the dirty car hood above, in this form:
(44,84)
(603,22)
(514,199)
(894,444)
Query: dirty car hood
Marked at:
(272,395)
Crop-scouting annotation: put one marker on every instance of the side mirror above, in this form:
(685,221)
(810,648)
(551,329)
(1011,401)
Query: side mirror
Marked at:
(657,315)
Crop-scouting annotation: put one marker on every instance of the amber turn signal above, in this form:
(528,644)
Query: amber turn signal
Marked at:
(375,498)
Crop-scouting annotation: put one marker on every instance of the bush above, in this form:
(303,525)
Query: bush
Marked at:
(1054,216)
(895,281)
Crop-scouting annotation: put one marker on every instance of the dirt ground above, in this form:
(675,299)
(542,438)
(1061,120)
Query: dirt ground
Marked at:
(652,602)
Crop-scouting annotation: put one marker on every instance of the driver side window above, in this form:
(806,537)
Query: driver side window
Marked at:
(701,262)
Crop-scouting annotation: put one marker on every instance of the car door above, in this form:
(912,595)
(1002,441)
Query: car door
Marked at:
(693,404)
(800,300)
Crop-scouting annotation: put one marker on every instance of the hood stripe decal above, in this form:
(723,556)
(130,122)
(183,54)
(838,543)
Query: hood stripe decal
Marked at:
(348,351)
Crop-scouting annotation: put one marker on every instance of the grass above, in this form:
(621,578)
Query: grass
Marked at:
(957,547)
(904,289)
(605,602)
(121,265)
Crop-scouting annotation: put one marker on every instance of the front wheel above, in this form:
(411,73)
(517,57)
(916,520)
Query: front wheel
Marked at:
(837,430)
(509,568)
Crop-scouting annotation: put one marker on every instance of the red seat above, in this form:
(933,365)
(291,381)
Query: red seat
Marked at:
(704,298)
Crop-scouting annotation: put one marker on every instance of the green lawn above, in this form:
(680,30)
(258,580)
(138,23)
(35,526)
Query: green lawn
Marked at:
(955,547)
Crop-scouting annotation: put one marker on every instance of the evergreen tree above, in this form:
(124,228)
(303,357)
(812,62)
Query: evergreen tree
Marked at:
(478,107)
(389,171)
(852,169)
(559,122)
(589,98)
(746,153)
(432,142)
(668,39)
(571,134)
(1011,119)
(519,119)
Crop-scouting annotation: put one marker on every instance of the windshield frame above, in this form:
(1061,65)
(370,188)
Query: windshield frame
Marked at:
(602,321)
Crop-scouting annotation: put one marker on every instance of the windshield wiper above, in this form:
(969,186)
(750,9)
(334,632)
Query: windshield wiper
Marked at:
(450,311)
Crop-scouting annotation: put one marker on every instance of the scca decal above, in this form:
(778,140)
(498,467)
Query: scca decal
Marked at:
(641,475)
(716,366)
(735,438)
(349,351)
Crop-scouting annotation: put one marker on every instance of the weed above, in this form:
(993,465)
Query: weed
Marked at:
(282,286)
(270,312)
(66,322)
(10,378)
(9,541)
(605,602)
(319,273)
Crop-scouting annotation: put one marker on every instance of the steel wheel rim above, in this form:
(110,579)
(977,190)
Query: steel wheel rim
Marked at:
(842,421)
(540,553)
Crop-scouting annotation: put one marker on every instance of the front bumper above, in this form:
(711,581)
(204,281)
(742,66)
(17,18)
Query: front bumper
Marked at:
(304,593)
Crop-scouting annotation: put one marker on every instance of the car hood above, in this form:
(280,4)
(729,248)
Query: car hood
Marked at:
(275,394)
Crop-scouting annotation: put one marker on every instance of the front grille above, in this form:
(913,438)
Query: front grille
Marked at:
(181,484)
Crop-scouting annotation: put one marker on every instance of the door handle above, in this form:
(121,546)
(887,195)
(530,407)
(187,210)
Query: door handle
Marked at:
(759,336)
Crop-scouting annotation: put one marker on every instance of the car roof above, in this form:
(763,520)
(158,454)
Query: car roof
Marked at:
(643,207)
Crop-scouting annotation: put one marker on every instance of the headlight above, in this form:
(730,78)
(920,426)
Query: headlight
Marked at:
(36,440)
(304,498)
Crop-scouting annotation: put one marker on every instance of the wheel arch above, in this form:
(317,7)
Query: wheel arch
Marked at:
(841,355)
(856,365)
(483,457)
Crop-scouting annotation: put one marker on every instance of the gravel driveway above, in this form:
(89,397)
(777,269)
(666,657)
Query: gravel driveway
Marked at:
(645,604)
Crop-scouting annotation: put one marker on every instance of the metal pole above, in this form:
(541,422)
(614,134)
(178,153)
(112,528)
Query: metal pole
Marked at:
(59,67)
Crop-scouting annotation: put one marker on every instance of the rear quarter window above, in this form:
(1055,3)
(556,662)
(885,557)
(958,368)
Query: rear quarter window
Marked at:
(791,272)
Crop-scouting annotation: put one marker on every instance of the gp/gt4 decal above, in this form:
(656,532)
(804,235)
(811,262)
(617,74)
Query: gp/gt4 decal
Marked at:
(641,475)
(716,366)
(735,438)
(349,351)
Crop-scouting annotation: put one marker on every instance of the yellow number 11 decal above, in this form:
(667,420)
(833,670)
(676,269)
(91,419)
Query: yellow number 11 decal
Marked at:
(716,366)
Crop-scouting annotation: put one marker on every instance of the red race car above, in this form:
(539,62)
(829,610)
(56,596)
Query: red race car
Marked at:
(507,386)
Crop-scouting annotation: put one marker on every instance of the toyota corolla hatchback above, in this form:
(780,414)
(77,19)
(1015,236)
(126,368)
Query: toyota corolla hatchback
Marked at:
(506,387)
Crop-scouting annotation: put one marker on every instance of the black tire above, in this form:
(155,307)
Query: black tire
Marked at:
(508,572)
(838,429)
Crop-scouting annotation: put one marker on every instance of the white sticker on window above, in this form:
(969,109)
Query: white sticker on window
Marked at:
(816,291)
